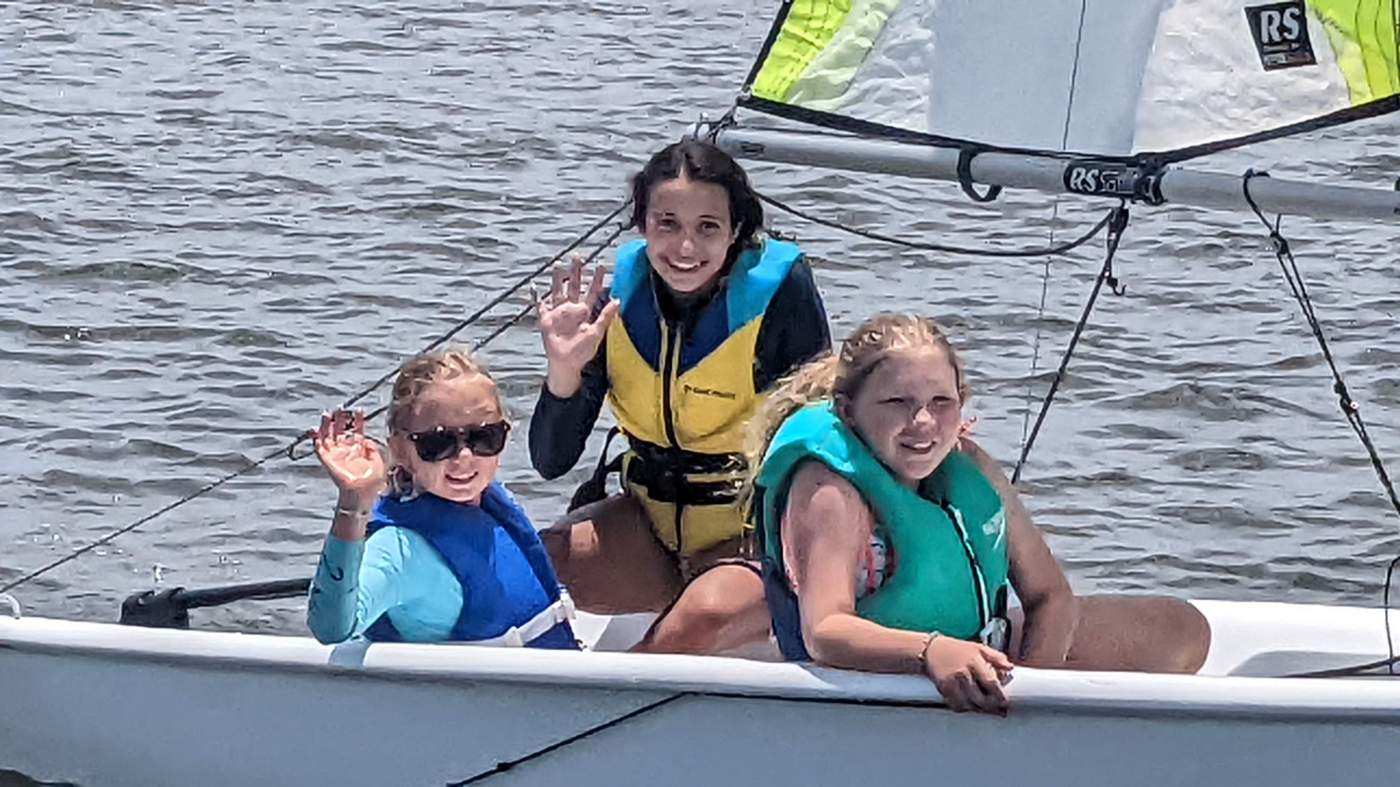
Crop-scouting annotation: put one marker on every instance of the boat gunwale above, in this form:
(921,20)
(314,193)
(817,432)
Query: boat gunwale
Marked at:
(1062,691)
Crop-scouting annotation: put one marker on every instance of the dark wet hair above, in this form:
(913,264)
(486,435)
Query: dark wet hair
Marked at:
(707,163)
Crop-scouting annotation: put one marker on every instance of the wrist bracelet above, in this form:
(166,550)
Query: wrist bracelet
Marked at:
(923,651)
(358,513)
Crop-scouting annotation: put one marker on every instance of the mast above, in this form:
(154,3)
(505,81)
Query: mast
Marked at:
(1086,177)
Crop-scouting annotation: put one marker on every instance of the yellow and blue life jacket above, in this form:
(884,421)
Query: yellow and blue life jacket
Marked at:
(684,399)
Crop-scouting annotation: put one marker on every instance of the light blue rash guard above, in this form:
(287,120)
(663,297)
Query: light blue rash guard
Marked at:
(394,572)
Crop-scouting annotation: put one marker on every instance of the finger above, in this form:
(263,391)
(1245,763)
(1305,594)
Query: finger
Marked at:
(360,423)
(324,430)
(595,287)
(575,278)
(556,286)
(1000,661)
(342,425)
(955,695)
(971,689)
(989,682)
(608,314)
(333,433)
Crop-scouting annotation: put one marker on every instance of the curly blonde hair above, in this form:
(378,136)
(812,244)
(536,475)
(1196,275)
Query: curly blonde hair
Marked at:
(415,376)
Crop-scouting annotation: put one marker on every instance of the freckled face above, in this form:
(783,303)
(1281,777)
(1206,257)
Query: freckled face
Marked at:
(461,401)
(908,411)
(688,233)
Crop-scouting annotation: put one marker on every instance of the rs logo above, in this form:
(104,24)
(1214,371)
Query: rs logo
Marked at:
(1278,26)
(1096,177)
(1084,180)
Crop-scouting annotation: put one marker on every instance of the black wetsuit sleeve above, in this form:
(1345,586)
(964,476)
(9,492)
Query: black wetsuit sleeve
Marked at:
(559,428)
(794,329)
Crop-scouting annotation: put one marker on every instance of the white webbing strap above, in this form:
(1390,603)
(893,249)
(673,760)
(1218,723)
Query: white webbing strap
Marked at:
(12,603)
(534,628)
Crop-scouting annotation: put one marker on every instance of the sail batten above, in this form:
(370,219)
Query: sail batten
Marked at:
(1120,79)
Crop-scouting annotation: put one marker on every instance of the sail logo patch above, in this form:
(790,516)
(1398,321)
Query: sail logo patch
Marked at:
(1280,33)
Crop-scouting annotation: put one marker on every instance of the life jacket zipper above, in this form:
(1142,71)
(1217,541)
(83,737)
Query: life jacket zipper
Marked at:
(979,582)
(671,341)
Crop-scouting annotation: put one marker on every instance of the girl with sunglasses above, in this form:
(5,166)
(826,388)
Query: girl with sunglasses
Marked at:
(433,548)
(703,315)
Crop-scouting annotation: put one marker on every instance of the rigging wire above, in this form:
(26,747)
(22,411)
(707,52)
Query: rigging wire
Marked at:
(1350,409)
(289,450)
(1118,221)
(1039,326)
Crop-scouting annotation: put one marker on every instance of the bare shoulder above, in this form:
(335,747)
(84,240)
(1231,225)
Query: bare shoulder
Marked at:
(820,497)
(989,466)
(816,485)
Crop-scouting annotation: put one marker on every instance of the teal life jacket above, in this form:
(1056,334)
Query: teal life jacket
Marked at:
(949,539)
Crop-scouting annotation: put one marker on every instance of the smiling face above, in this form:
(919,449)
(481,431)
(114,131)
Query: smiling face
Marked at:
(908,411)
(465,400)
(688,232)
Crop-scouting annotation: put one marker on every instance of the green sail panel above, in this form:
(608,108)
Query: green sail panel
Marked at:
(1099,77)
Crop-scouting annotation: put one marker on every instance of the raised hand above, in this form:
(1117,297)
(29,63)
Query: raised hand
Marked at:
(969,675)
(351,459)
(573,324)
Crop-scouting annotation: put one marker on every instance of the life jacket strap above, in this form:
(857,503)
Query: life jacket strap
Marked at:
(668,474)
(561,611)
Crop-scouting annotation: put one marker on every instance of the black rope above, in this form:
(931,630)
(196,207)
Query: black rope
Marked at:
(1350,409)
(500,329)
(206,489)
(1060,249)
(491,304)
(1118,220)
(502,767)
(290,449)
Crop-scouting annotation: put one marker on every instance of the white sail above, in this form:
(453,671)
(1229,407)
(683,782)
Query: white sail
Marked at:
(1096,77)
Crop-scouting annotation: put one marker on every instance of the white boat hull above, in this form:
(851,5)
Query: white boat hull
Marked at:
(100,704)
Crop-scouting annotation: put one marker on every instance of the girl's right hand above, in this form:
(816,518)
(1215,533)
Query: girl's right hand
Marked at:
(969,675)
(572,325)
(351,459)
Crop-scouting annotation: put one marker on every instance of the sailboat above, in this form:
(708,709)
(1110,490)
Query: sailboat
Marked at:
(1105,99)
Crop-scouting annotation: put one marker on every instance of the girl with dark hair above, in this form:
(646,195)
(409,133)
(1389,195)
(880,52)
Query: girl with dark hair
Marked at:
(703,316)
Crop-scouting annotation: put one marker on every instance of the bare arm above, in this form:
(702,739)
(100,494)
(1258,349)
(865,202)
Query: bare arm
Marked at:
(1051,612)
(826,525)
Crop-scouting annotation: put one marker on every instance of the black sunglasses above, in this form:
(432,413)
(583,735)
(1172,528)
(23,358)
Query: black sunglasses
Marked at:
(446,442)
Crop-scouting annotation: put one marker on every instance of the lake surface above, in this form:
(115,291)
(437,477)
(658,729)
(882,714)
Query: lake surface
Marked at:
(218,221)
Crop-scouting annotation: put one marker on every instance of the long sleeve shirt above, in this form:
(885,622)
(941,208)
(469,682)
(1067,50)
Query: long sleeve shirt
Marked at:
(394,571)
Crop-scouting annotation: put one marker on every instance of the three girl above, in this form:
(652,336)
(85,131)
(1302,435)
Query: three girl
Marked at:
(889,540)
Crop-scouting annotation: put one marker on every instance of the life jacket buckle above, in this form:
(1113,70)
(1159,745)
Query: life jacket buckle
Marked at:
(564,611)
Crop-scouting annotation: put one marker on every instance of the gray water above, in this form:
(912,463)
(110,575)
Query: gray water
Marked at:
(217,220)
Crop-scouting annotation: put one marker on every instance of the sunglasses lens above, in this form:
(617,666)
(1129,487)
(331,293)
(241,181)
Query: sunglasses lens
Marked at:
(483,441)
(488,440)
(435,446)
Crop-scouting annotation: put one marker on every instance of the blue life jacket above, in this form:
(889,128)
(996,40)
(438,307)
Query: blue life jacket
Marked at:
(470,539)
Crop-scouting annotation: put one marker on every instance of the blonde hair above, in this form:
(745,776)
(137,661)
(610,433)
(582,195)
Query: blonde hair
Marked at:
(840,377)
(415,376)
